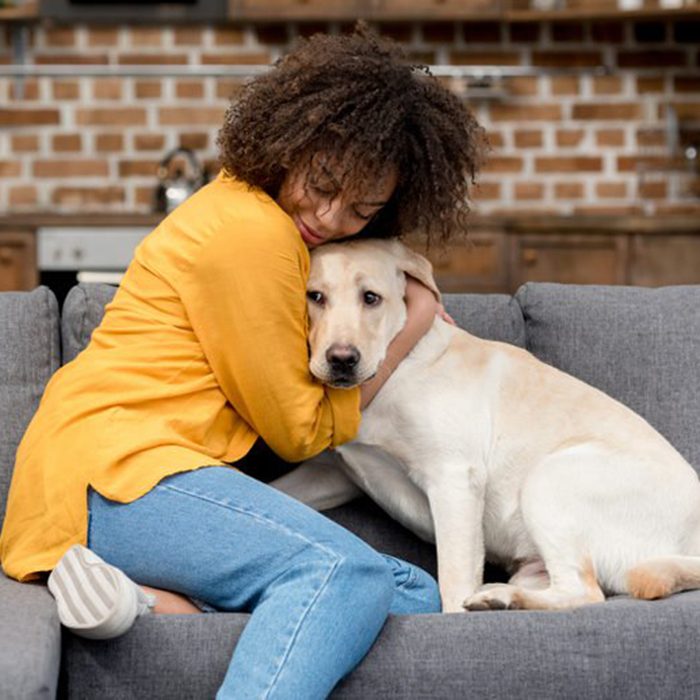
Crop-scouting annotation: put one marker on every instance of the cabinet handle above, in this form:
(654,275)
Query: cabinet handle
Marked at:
(5,255)
(529,256)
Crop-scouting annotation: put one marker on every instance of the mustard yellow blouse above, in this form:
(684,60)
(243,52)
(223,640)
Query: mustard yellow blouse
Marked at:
(202,350)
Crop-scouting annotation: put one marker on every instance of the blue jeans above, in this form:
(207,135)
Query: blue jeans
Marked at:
(318,595)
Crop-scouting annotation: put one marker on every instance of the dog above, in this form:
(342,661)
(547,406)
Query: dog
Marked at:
(492,455)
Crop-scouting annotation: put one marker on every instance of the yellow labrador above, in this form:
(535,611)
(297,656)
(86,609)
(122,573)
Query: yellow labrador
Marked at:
(490,453)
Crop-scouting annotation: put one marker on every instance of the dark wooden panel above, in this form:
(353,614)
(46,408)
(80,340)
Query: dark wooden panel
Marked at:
(661,260)
(17,261)
(478,263)
(572,259)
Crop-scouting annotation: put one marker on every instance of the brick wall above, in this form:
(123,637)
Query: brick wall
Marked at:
(561,143)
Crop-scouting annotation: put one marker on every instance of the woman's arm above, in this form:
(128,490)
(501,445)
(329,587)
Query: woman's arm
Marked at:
(421,307)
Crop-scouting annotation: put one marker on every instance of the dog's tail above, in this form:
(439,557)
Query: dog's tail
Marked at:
(661,577)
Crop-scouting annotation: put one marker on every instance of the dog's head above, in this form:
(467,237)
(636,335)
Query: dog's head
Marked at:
(355,297)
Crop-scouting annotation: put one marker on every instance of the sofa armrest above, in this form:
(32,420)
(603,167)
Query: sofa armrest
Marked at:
(30,641)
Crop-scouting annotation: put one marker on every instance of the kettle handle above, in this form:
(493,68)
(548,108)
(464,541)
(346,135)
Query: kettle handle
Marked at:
(195,165)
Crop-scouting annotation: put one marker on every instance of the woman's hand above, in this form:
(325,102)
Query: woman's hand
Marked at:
(445,316)
(421,308)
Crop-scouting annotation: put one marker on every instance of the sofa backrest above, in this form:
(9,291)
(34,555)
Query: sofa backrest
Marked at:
(83,310)
(639,345)
(29,355)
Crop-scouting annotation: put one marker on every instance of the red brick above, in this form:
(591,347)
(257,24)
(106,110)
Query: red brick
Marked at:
(22,195)
(528,139)
(83,59)
(129,168)
(109,143)
(70,168)
(148,89)
(618,111)
(92,197)
(569,138)
(568,164)
(149,142)
(668,58)
(10,168)
(529,190)
(521,113)
(611,190)
(610,137)
(148,59)
(567,59)
(24,143)
(27,117)
(484,58)
(569,190)
(66,89)
(503,164)
(67,143)
(124,116)
(186,116)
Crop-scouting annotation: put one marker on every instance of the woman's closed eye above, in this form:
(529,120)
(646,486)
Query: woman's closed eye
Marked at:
(362,215)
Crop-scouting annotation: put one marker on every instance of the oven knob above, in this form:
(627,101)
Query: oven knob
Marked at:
(77,254)
(57,255)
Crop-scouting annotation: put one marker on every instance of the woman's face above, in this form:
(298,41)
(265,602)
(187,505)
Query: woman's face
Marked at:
(321,210)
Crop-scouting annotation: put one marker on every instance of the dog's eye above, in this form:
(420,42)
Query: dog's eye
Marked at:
(315,297)
(371,299)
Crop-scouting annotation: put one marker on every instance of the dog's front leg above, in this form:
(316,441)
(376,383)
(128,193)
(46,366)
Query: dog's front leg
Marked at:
(457,507)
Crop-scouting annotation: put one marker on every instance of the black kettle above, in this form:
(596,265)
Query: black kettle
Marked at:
(180,174)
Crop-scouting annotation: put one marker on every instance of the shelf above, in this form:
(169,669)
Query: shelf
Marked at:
(397,10)
(27,11)
(576,14)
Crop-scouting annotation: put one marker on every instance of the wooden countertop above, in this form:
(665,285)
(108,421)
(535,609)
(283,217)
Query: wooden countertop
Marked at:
(517,224)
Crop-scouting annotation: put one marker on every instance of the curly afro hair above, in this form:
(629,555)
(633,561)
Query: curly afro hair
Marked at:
(357,99)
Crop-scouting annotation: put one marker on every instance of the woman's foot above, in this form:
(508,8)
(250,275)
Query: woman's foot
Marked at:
(94,599)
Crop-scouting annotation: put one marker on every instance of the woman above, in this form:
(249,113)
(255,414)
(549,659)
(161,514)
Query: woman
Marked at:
(202,355)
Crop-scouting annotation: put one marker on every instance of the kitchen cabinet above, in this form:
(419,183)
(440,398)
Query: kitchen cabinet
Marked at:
(664,259)
(497,256)
(477,263)
(568,258)
(18,269)
(466,10)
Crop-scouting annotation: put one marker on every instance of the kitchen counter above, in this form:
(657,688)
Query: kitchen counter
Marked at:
(516,223)
(499,254)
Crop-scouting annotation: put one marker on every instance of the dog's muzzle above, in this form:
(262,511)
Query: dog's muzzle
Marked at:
(342,362)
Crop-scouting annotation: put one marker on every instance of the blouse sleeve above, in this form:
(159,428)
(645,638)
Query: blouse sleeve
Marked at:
(246,299)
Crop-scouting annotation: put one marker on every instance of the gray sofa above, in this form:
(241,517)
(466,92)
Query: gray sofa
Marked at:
(641,346)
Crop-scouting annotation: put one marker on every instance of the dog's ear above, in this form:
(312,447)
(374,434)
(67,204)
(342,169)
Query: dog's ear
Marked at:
(417,266)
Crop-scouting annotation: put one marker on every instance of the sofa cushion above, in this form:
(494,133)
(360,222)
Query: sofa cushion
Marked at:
(640,346)
(29,355)
(30,639)
(620,649)
(83,310)
(488,316)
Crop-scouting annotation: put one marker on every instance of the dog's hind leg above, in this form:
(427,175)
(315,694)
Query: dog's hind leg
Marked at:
(661,577)
(569,587)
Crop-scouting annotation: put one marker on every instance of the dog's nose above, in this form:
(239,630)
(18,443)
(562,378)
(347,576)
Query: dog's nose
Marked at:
(342,358)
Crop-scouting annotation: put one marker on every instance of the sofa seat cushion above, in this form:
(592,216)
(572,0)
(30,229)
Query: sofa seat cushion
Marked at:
(30,639)
(618,649)
(640,346)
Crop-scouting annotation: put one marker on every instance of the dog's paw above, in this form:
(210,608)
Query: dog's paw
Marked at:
(493,596)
